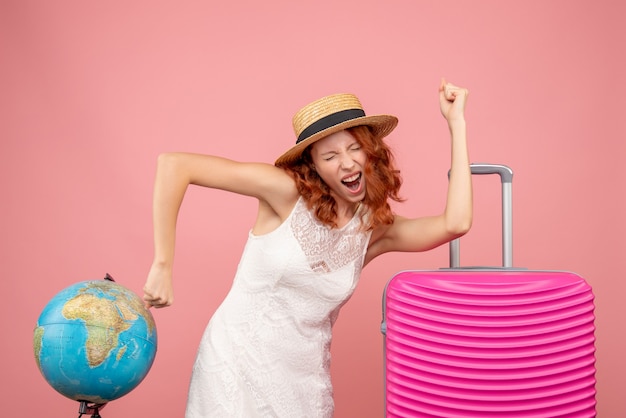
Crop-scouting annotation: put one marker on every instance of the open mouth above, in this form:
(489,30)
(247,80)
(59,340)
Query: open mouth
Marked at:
(353,182)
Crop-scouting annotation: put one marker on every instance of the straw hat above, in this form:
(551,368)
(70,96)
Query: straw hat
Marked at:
(332,114)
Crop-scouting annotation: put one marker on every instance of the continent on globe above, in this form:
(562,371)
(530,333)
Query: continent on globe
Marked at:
(107,319)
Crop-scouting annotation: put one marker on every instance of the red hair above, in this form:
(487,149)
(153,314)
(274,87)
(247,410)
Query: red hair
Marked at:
(382,182)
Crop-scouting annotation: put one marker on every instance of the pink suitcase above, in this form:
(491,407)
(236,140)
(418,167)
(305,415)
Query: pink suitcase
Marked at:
(489,342)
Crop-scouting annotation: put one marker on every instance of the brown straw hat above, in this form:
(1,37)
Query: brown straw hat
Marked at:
(332,114)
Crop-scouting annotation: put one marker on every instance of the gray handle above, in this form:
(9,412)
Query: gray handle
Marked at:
(506,178)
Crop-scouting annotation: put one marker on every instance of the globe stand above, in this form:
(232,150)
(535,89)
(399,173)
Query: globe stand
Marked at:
(90,408)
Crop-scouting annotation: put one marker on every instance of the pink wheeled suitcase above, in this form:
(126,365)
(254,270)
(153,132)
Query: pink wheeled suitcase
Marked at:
(489,342)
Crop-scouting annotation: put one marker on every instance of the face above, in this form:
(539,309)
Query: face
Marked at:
(340,162)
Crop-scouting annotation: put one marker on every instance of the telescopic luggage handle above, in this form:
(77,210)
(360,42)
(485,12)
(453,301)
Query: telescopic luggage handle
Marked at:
(506,178)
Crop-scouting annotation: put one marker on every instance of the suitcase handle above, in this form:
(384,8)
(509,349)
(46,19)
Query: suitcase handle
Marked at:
(506,178)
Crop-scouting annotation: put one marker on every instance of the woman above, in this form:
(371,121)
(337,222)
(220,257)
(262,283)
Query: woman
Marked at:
(323,215)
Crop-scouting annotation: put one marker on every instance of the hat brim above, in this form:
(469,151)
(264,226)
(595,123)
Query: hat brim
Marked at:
(380,126)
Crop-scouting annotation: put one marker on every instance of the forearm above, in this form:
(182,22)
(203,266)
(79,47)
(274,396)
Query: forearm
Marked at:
(169,189)
(458,211)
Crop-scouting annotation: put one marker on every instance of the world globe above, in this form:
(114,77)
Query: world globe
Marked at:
(95,341)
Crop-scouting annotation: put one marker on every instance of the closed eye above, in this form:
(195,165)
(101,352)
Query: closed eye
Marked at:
(355,146)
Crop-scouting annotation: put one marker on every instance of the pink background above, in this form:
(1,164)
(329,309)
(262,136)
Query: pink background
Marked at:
(92,91)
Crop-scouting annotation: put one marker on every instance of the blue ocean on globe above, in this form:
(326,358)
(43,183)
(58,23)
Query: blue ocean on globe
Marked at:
(95,341)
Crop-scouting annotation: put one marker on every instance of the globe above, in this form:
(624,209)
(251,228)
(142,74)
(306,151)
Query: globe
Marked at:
(95,341)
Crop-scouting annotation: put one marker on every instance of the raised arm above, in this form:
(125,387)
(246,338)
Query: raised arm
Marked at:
(421,234)
(175,172)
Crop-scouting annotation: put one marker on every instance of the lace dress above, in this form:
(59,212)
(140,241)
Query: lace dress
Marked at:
(266,351)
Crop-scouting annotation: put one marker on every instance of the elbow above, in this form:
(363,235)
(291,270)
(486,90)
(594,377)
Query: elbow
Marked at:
(458,220)
(172,167)
(459,227)
(167,159)
(169,164)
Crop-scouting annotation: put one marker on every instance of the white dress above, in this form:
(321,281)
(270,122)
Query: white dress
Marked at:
(266,350)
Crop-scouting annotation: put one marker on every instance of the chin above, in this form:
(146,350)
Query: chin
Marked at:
(350,197)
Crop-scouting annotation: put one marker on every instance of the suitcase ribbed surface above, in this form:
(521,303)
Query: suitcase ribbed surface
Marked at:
(489,344)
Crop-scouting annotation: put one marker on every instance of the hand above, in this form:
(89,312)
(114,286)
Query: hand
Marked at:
(452,101)
(158,291)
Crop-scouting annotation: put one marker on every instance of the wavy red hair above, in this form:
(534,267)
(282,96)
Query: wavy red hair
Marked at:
(382,181)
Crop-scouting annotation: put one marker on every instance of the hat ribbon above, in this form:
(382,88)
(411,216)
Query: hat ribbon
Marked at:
(329,121)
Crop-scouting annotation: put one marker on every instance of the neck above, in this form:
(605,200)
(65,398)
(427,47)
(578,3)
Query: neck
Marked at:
(348,209)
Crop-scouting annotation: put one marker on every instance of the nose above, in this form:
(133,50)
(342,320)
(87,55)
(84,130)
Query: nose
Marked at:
(346,161)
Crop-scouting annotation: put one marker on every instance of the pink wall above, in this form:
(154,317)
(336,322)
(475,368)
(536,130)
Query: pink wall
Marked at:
(91,92)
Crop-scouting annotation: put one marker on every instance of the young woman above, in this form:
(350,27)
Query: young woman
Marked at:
(323,215)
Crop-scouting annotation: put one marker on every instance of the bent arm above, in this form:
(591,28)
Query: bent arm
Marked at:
(425,233)
(175,172)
